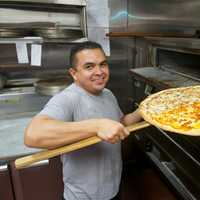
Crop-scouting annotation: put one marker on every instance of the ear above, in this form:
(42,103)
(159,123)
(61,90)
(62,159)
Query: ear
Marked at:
(72,72)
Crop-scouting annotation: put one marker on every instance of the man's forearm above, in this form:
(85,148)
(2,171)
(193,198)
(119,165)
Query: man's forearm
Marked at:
(45,132)
(131,118)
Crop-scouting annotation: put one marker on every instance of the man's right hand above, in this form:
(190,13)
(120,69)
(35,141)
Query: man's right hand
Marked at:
(111,131)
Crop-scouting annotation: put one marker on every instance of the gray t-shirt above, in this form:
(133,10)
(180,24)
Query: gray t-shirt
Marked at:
(94,172)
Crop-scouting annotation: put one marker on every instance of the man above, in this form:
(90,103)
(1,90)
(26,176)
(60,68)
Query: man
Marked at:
(84,109)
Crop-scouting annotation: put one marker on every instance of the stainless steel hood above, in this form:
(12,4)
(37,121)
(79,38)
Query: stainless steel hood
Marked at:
(162,16)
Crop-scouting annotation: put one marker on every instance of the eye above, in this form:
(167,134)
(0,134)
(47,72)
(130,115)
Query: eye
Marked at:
(88,67)
(104,64)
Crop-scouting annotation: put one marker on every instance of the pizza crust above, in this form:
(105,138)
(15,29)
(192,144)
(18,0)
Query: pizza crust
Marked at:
(143,108)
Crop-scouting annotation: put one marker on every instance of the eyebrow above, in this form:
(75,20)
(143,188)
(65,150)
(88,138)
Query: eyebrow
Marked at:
(104,61)
(91,63)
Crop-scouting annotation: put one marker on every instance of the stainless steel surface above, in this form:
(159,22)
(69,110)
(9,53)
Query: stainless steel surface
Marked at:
(44,19)
(186,151)
(55,45)
(163,78)
(26,40)
(13,32)
(187,44)
(185,164)
(118,18)
(180,73)
(155,16)
(20,100)
(27,25)
(181,61)
(18,105)
(51,86)
(3,168)
(161,16)
(174,180)
(21,82)
(58,33)
(12,129)
(121,59)
(62,17)
(17,108)
(68,2)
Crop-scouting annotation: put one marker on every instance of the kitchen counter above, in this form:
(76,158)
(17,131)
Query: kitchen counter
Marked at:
(12,129)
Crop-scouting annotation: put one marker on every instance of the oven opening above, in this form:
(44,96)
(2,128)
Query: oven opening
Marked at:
(186,62)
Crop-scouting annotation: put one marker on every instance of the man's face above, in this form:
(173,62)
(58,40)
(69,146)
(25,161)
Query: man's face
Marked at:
(91,71)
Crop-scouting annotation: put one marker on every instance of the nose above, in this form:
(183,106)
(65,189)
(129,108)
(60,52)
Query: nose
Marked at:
(98,70)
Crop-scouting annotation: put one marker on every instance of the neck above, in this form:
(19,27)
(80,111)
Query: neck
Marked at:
(91,93)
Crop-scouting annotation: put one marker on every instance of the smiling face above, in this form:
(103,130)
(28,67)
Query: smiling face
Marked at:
(91,70)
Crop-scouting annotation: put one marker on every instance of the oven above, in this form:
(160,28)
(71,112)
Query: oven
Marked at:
(172,63)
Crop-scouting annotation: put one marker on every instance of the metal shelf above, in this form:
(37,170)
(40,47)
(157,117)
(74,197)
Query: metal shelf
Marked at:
(26,40)
(40,40)
(63,2)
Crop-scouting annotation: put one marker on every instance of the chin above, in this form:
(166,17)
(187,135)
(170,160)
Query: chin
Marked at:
(97,90)
(100,87)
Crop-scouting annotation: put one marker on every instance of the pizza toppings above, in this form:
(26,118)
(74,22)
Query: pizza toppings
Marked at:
(175,109)
(184,116)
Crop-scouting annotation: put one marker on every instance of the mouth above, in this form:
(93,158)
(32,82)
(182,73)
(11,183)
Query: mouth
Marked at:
(99,81)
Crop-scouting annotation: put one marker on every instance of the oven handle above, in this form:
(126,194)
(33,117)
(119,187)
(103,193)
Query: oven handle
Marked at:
(166,168)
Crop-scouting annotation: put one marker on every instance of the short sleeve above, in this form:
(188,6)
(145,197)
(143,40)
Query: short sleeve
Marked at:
(114,99)
(121,114)
(60,107)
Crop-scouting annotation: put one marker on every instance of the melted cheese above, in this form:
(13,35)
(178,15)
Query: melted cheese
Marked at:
(184,116)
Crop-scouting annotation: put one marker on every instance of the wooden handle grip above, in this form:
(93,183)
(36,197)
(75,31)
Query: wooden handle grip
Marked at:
(28,160)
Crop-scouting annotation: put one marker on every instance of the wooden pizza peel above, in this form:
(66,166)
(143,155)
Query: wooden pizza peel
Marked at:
(46,154)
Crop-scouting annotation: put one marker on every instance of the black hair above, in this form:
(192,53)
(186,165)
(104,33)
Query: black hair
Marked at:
(82,46)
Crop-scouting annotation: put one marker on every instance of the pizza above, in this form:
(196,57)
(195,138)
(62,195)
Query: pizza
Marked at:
(175,110)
